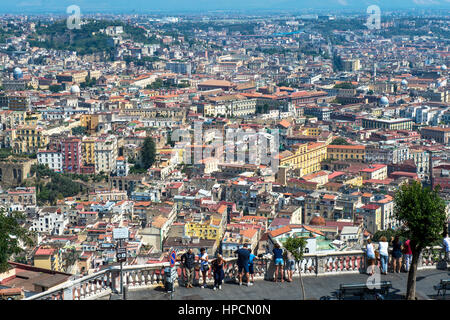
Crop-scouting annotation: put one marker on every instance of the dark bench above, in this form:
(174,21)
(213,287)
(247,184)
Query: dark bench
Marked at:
(360,289)
(443,286)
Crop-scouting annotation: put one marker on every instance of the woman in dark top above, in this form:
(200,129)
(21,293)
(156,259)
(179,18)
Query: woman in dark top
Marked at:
(396,254)
(278,259)
(219,274)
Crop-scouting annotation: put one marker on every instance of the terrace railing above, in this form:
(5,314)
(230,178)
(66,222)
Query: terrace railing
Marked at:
(138,277)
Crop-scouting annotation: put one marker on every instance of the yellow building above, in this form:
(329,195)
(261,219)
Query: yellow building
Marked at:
(311,131)
(346,152)
(211,229)
(48,258)
(305,157)
(90,122)
(356,181)
(31,119)
(88,150)
(29,139)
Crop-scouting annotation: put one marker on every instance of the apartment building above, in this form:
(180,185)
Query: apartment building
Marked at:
(346,152)
(105,154)
(52,159)
(72,156)
(305,158)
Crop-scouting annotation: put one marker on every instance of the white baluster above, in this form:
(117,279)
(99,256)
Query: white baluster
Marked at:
(99,282)
(82,294)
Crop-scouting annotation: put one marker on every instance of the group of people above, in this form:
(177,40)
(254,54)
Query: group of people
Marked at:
(245,267)
(284,261)
(245,263)
(282,258)
(401,252)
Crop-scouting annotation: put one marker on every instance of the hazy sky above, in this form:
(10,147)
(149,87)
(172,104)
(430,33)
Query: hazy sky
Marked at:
(55,6)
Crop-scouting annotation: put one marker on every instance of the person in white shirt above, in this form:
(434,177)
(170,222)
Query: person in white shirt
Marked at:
(447,247)
(384,254)
(370,251)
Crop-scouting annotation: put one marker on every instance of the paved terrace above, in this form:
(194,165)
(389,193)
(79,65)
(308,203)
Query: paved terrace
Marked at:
(315,288)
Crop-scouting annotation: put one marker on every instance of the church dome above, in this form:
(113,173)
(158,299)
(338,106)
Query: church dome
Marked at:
(75,89)
(17,73)
(384,101)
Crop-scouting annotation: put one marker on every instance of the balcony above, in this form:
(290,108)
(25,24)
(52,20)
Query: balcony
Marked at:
(343,267)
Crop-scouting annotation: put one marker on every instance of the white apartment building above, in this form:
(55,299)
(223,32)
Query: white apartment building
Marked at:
(50,221)
(52,159)
(105,154)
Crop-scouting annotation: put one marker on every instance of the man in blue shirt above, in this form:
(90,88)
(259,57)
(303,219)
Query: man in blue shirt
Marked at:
(242,262)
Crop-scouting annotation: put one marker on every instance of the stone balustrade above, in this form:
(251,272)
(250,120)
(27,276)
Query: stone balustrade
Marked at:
(137,277)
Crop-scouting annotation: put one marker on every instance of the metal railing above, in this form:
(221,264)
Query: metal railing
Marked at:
(145,276)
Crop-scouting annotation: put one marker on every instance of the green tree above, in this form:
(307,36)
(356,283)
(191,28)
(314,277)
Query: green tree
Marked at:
(297,246)
(79,131)
(12,235)
(55,88)
(389,234)
(339,142)
(148,153)
(422,212)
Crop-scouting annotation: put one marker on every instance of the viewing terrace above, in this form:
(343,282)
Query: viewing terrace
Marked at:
(322,275)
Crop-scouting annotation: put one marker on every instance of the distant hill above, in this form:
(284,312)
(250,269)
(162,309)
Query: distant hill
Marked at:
(87,40)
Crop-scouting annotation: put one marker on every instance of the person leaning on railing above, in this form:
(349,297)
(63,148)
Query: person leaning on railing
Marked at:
(383,247)
(370,251)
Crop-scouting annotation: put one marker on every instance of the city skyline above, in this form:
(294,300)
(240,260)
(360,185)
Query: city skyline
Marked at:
(174,6)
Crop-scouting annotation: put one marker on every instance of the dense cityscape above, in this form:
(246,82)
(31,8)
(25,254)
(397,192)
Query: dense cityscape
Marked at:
(126,137)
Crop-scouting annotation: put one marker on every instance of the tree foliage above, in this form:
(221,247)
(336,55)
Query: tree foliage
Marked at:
(12,234)
(79,131)
(422,213)
(340,142)
(148,153)
(296,246)
(61,184)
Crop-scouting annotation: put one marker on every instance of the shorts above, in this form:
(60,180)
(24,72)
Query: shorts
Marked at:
(204,267)
(396,254)
(251,269)
(290,265)
(244,267)
(279,262)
